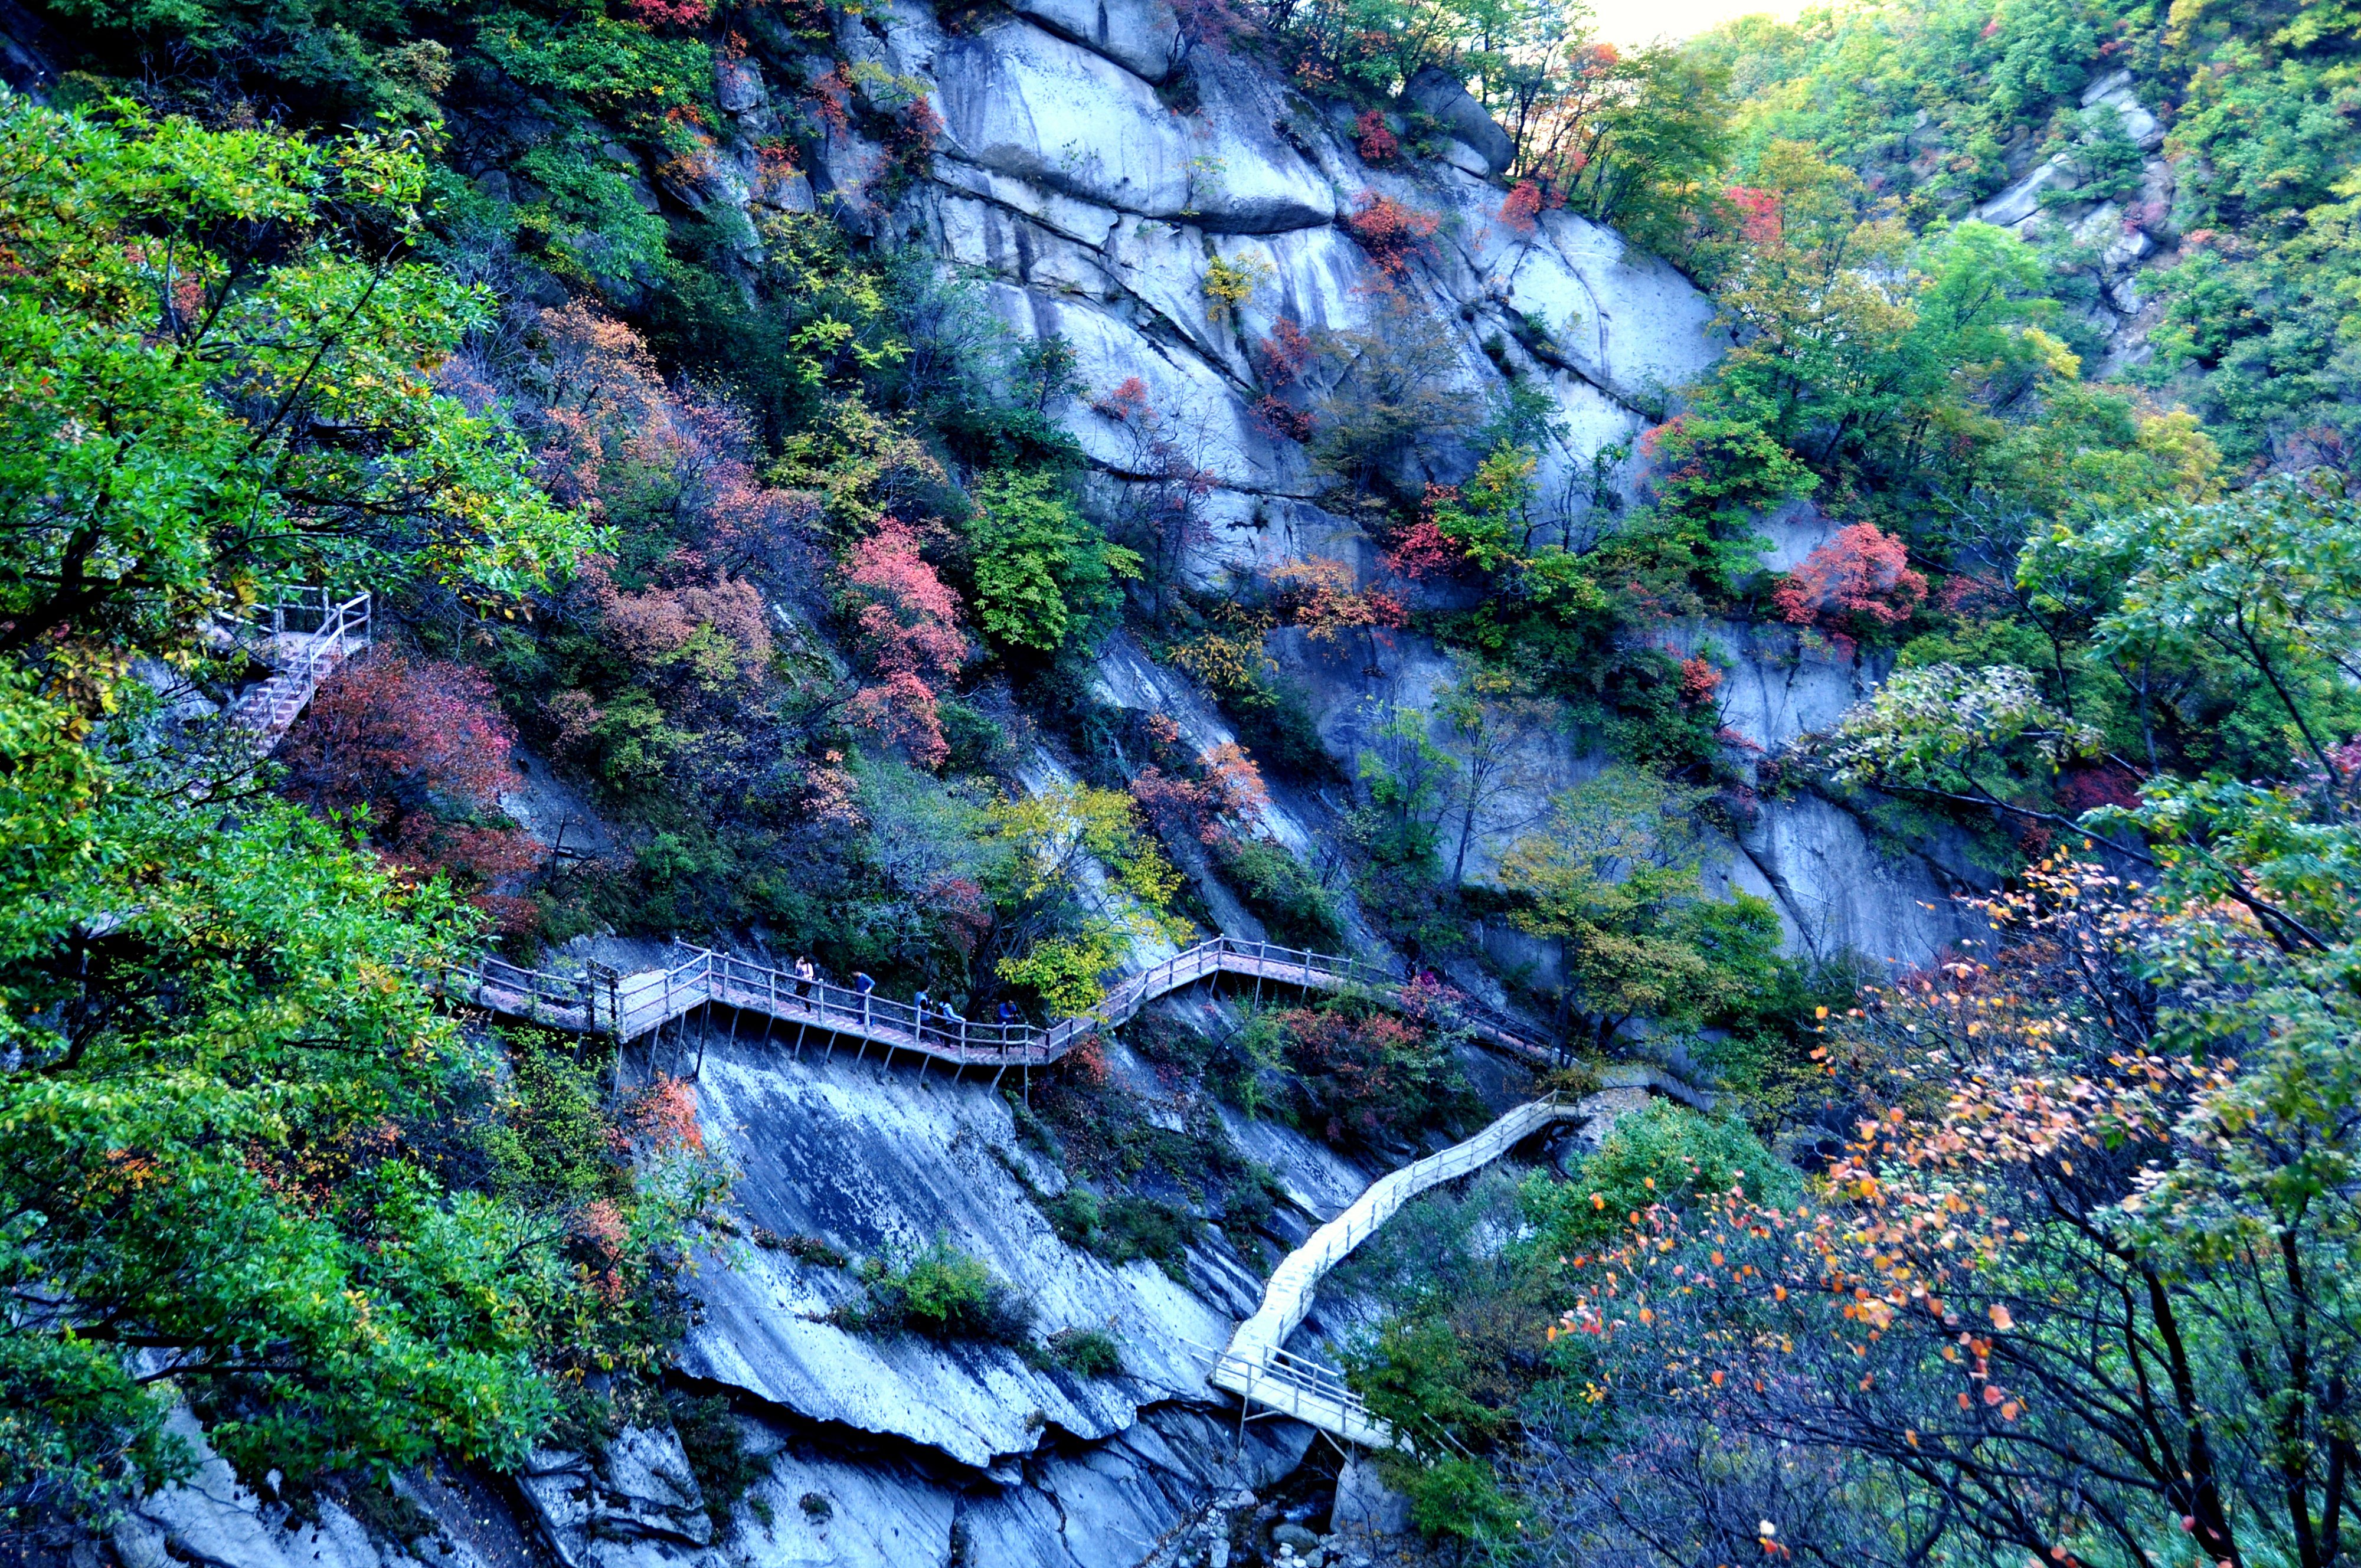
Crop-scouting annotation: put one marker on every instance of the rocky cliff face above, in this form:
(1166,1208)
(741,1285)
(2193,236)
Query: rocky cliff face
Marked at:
(1091,208)
(891,1450)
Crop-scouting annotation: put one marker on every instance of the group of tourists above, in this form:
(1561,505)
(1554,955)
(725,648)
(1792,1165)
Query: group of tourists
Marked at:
(942,1015)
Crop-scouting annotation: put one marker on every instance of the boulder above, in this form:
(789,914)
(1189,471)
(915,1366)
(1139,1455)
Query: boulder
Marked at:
(1364,1505)
(1443,97)
(2022,200)
(2115,91)
(738,85)
(1138,35)
(1024,102)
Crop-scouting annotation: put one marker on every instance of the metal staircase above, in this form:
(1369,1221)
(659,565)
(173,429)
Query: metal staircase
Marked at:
(300,638)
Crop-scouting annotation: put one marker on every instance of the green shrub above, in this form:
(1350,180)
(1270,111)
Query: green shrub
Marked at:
(1145,1227)
(943,1293)
(552,1144)
(1664,1153)
(1042,570)
(1087,1353)
(1294,907)
(1456,1497)
(803,1249)
(1123,1229)
(715,1446)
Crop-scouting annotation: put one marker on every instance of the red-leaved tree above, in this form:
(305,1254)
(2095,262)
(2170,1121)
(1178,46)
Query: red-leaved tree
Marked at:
(908,623)
(423,747)
(1860,578)
(1320,597)
(1391,232)
(1519,213)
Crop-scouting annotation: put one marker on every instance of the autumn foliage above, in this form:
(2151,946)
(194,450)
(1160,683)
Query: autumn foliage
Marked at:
(673,12)
(2066,1264)
(1392,233)
(1860,577)
(1423,550)
(1319,595)
(1370,1077)
(1522,206)
(907,621)
(421,746)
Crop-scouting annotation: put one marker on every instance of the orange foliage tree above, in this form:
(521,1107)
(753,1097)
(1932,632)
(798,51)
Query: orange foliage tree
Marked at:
(2079,1283)
(1860,579)
(908,623)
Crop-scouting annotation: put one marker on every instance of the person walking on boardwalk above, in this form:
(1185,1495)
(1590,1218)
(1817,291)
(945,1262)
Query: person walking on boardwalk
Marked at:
(918,1006)
(1008,1015)
(806,978)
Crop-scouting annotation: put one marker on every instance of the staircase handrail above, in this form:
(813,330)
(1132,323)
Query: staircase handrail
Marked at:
(301,659)
(639,1003)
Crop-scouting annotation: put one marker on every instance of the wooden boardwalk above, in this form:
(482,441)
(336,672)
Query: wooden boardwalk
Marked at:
(300,656)
(601,1000)
(1257,1368)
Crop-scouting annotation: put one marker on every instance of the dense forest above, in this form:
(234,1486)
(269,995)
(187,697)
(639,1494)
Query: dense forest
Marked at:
(736,567)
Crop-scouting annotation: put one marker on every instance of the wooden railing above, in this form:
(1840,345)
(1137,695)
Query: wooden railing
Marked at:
(628,1006)
(1258,1368)
(1292,1385)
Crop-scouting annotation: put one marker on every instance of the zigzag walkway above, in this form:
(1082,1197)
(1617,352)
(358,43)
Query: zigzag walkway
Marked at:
(1258,1369)
(1254,1365)
(601,1000)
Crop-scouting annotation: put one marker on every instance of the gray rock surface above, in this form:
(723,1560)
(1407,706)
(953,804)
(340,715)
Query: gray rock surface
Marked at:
(212,1519)
(2023,199)
(1437,91)
(880,1165)
(1835,889)
(1141,35)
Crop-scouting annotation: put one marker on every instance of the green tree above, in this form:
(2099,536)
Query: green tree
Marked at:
(209,383)
(1614,879)
(1042,571)
(1633,140)
(1080,880)
(2265,581)
(234,1127)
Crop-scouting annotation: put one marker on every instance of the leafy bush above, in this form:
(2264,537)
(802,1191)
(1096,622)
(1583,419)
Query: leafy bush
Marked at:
(803,1249)
(1042,571)
(1456,1497)
(1088,1353)
(1365,1077)
(1123,1229)
(943,1293)
(715,1446)
(1660,1154)
(1274,884)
